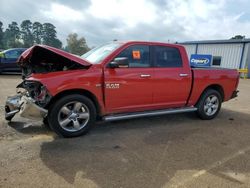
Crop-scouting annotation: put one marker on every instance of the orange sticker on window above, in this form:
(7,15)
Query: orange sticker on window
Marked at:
(136,54)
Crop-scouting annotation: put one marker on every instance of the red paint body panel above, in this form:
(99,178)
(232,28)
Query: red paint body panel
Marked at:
(57,82)
(134,94)
(226,78)
(171,90)
(163,89)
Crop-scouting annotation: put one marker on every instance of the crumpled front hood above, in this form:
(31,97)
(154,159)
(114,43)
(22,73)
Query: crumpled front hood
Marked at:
(27,55)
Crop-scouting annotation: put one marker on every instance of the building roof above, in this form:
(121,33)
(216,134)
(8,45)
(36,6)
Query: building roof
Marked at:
(217,41)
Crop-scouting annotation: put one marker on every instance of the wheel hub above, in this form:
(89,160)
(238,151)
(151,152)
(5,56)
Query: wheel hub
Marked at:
(211,105)
(73,116)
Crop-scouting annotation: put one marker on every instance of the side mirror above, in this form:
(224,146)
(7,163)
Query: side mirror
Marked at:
(119,62)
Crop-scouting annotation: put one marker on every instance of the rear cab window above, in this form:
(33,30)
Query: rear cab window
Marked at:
(167,57)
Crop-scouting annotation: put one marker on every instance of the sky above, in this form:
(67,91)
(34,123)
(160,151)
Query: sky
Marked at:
(100,21)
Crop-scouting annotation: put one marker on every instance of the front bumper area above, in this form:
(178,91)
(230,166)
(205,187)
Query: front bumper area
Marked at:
(25,106)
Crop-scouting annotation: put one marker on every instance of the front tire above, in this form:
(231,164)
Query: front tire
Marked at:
(72,115)
(209,104)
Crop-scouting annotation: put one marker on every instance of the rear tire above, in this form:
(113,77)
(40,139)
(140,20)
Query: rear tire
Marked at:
(72,115)
(209,104)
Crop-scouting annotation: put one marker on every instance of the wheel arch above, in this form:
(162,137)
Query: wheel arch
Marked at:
(215,87)
(83,92)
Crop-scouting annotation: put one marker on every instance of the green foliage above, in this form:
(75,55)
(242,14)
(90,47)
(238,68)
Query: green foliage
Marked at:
(239,37)
(75,45)
(1,36)
(49,36)
(28,34)
(37,32)
(12,36)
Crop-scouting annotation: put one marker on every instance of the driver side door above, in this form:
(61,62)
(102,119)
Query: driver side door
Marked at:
(129,89)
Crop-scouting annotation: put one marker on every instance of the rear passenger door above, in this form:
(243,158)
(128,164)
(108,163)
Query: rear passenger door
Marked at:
(172,77)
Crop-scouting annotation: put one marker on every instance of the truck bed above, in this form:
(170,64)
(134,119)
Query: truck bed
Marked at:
(221,78)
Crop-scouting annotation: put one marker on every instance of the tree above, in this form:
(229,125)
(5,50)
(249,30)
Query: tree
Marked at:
(75,45)
(26,33)
(57,43)
(1,36)
(49,36)
(239,37)
(12,36)
(37,31)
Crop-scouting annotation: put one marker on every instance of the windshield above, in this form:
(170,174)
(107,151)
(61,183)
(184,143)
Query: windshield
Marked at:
(99,53)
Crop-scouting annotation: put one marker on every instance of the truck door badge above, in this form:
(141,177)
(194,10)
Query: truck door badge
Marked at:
(112,86)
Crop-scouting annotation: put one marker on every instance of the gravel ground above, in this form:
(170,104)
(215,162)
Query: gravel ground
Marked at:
(168,151)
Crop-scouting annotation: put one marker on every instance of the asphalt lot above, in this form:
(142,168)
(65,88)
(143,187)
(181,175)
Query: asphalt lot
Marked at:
(168,151)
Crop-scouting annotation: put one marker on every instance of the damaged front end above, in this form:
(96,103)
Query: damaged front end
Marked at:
(30,102)
(33,97)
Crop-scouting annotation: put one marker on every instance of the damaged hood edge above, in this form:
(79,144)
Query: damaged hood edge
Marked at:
(27,54)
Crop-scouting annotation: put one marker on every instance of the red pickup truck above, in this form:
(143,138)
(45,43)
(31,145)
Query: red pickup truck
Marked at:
(115,81)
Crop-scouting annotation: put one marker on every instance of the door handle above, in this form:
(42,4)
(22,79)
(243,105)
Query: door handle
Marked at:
(183,75)
(145,75)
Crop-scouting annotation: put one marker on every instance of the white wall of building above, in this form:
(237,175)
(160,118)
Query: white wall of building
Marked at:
(246,56)
(190,48)
(230,53)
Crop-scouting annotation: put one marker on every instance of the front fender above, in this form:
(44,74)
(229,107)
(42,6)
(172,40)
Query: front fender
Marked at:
(58,82)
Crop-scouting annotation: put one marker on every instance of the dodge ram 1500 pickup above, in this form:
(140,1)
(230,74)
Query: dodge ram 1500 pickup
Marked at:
(115,81)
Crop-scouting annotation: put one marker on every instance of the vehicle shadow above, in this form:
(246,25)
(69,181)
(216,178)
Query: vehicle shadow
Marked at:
(29,127)
(152,152)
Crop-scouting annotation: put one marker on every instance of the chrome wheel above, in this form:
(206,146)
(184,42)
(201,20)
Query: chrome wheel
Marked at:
(211,105)
(73,116)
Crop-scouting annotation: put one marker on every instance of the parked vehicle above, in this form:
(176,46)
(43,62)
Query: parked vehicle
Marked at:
(8,60)
(116,81)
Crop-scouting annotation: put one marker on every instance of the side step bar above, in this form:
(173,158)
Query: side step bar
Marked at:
(116,117)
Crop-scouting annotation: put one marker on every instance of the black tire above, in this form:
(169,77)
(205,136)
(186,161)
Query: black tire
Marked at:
(56,112)
(46,123)
(203,105)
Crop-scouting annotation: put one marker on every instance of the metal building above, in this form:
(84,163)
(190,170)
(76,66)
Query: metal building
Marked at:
(226,53)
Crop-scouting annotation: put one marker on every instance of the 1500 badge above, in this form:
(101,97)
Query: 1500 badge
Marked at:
(112,86)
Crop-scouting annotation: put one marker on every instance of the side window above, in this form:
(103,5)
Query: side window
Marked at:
(19,52)
(12,54)
(138,55)
(167,57)
(216,60)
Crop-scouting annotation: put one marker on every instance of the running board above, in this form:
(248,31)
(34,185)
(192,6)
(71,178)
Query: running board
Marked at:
(116,117)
